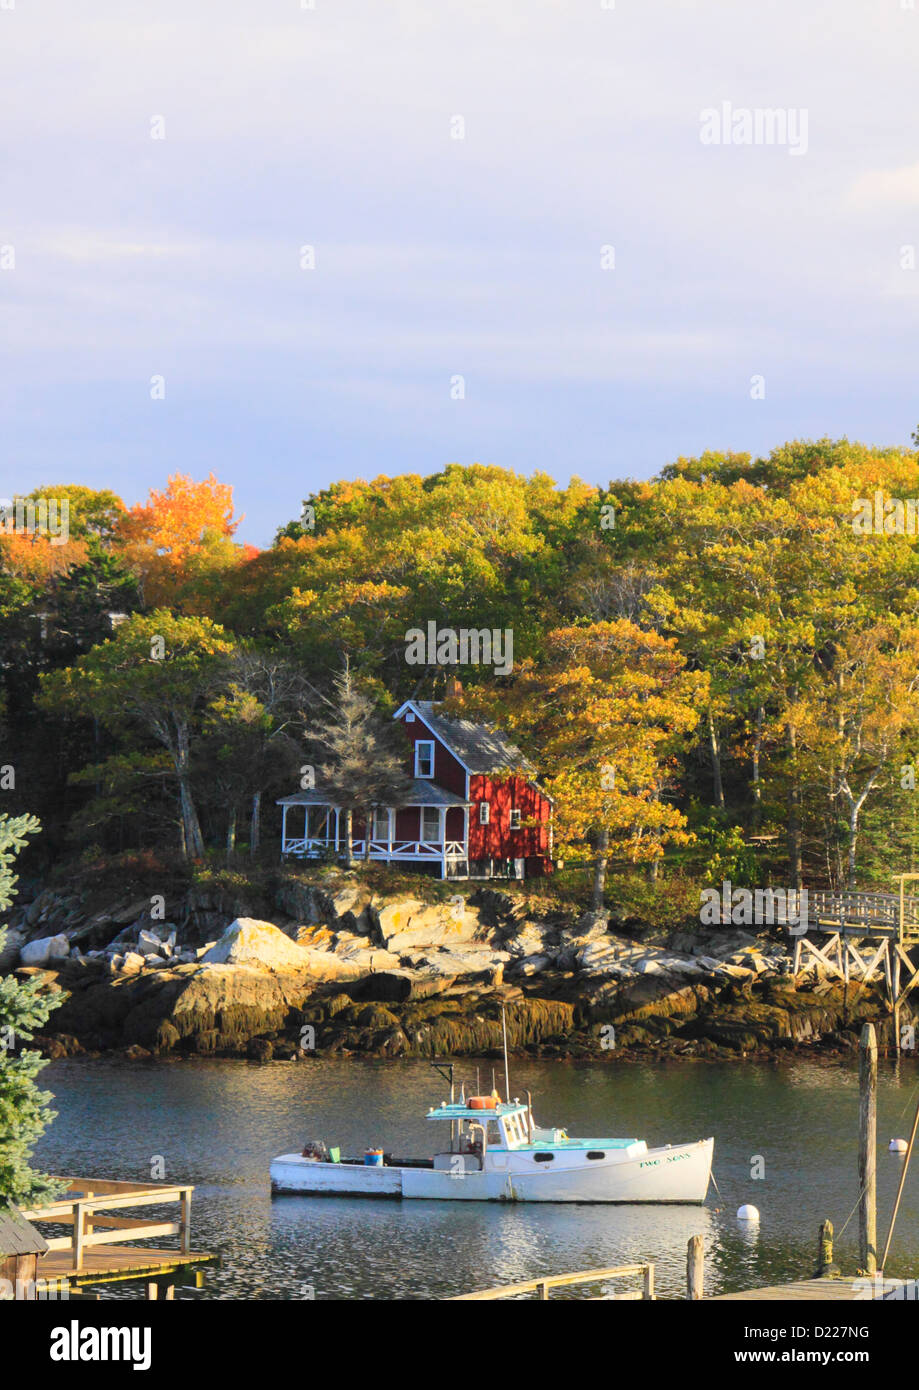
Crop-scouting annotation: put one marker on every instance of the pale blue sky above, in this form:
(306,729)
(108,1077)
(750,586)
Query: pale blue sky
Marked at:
(438,257)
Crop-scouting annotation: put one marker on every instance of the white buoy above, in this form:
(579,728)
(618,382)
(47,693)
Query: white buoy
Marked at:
(897,1146)
(747,1213)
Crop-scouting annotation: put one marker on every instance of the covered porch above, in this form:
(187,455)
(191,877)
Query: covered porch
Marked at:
(430,830)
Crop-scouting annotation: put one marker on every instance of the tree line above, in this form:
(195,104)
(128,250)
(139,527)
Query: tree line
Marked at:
(722,660)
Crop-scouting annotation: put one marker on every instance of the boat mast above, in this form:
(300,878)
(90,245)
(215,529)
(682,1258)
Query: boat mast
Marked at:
(440,1070)
(507,1079)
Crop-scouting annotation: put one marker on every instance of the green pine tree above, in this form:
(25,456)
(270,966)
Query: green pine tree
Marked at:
(24,1111)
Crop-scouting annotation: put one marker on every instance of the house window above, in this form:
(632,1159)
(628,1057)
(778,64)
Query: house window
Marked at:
(381,823)
(410,717)
(424,758)
(484,813)
(430,824)
(515,819)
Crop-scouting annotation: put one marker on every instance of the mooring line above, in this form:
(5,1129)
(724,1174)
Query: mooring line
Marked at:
(853,1211)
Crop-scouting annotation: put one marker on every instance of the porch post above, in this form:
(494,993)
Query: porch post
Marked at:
(442,816)
(283,830)
(389,821)
(466,837)
(337,819)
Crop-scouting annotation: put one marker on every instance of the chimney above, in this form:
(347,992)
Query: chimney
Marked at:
(454,688)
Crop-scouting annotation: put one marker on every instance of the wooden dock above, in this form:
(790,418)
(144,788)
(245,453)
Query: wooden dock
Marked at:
(867,937)
(95,1252)
(806,1290)
(541,1287)
(803,1291)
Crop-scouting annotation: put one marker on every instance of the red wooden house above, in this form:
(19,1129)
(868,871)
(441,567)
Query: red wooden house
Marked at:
(464,817)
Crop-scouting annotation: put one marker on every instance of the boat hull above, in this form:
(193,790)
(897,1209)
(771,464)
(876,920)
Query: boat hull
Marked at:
(676,1174)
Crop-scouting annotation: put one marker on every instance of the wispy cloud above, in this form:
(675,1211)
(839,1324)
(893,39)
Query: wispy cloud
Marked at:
(897,187)
(437,256)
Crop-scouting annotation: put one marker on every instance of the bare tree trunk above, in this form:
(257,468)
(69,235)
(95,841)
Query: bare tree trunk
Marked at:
(193,847)
(231,834)
(192,837)
(794,810)
(853,845)
(368,832)
(855,810)
(757,754)
(255,828)
(714,744)
(599,885)
(349,837)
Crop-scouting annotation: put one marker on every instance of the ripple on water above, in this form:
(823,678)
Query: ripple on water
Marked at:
(218,1124)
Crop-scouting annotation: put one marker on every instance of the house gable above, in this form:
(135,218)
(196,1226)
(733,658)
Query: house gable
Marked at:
(449,770)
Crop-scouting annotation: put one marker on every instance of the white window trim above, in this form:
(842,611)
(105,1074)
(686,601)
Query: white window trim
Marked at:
(484,813)
(424,743)
(435,838)
(515,818)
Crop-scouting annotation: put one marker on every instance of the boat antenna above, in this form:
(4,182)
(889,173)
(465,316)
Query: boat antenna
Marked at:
(507,1079)
(446,1071)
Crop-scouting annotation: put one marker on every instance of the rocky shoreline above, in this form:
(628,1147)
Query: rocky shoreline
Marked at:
(330,966)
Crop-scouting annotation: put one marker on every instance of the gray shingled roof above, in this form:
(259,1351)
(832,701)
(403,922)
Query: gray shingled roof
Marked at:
(423,793)
(17,1235)
(480,747)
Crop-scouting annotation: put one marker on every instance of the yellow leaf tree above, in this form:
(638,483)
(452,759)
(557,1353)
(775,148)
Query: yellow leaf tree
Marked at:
(604,714)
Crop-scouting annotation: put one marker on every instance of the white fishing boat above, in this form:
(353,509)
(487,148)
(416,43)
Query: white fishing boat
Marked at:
(493,1151)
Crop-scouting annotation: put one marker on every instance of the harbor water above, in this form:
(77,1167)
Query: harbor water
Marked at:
(785,1141)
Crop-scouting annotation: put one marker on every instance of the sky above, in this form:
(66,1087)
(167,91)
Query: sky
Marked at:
(527,246)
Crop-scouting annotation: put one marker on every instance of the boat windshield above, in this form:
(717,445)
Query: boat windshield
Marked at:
(515,1129)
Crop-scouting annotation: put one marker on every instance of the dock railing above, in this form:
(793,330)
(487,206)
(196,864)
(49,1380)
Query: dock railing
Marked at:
(88,1208)
(542,1286)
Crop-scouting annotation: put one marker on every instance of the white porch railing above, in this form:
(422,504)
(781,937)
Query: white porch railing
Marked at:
(316,846)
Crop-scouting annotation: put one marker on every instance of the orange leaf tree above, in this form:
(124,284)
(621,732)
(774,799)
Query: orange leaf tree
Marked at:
(604,714)
(179,537)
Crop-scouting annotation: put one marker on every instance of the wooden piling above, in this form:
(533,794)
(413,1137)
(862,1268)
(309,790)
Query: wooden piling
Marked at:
(826,1268)
(867,1149)
(695,1267)
(895,1000)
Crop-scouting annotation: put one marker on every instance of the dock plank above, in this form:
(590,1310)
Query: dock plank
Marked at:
(107,1263)
(805,1290)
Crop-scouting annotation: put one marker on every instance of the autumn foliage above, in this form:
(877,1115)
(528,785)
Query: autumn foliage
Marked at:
(715,671)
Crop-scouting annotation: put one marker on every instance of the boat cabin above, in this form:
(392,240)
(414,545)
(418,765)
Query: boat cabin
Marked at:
(480,1126)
